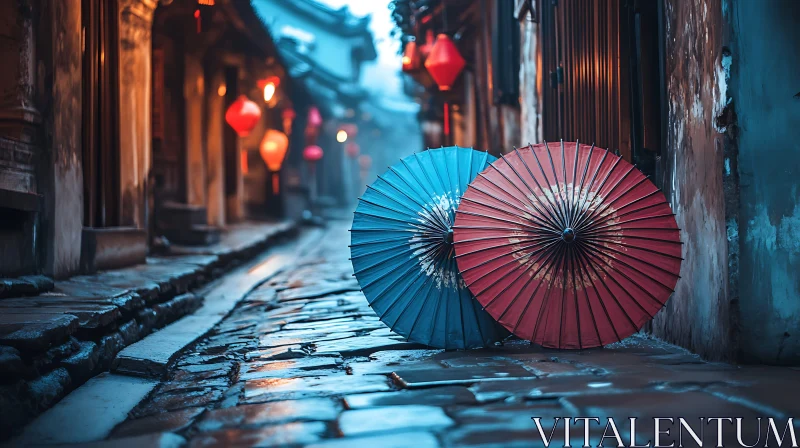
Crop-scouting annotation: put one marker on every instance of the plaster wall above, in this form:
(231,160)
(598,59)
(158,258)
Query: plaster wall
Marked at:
(62,183)
(135,33)
(699,315)
(764,86)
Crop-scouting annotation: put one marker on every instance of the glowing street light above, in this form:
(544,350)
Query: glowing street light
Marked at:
(341,136)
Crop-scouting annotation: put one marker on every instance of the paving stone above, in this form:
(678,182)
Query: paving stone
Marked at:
(504,425)
(89,413)
(150,356)
(363,346)
(220,382)
(285,337)
(35,332)
(273,389)
(177,400)
(92,315)
(47,361)
(251,415)
(324,289)
(283,352)
(109,346)
(289,434)
(393,418)
(412,379)
(310,364)
(81,365)
(435,396)
(154,440)
(550,368)
(771,390)
(395,440)
(24,286)
(11,364)
(49,388)
(288,373)
(174,421)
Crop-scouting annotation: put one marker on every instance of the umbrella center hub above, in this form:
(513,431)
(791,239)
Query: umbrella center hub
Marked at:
(568,235)
(448,237)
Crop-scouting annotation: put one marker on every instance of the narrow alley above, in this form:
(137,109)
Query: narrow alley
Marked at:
(303,361)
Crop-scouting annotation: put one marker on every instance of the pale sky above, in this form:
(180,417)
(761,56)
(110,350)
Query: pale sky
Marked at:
(381,75)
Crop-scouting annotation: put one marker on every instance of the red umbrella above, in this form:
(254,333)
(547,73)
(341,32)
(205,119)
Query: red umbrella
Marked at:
(567,245)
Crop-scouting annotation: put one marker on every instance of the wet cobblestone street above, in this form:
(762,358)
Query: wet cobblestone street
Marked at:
(304,361)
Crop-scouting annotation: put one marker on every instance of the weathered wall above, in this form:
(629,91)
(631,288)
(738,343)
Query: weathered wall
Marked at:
(699,314)
(59,71)
(215,150)
(135,26)
(530,83)
(764,85)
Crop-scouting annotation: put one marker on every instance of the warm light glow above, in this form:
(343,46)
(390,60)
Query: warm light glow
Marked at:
(406,60)
(206,2)
(222,90)
(269,91)
(341,136)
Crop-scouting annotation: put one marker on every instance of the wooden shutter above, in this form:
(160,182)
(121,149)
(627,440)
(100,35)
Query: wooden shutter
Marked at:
(585,57)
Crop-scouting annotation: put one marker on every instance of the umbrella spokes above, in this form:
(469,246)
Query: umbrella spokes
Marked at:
(403,252)
(567,245)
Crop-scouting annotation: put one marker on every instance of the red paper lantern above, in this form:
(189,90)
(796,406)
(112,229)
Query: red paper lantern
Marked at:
(243,116)
(352,150)
(444,62)
(411,57)
(314,117)
(273,149)
(312,153)
(364,162)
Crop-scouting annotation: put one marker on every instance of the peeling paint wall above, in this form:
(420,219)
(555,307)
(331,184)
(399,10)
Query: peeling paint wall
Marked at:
(764,82)
(698,316)
(530,82)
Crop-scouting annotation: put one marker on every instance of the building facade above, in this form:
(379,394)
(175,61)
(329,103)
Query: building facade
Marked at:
(113,133)
(695,95)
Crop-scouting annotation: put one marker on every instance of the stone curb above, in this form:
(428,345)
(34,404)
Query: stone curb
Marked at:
(77,330)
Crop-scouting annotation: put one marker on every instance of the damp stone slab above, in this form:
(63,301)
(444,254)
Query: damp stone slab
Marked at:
(89,413)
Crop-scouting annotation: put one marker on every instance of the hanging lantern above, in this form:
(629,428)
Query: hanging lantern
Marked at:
(364,162)
(269,86)
(444,62)
(314,117)
(273,150)
(288,115)
(243,115)
(352,150)
(411,57)
(312,153)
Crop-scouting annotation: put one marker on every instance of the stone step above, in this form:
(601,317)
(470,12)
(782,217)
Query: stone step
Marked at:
(180,216)
(28,285)
(195,235)
(89,413)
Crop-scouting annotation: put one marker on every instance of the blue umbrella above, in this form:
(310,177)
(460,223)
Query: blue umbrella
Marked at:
(402,252)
